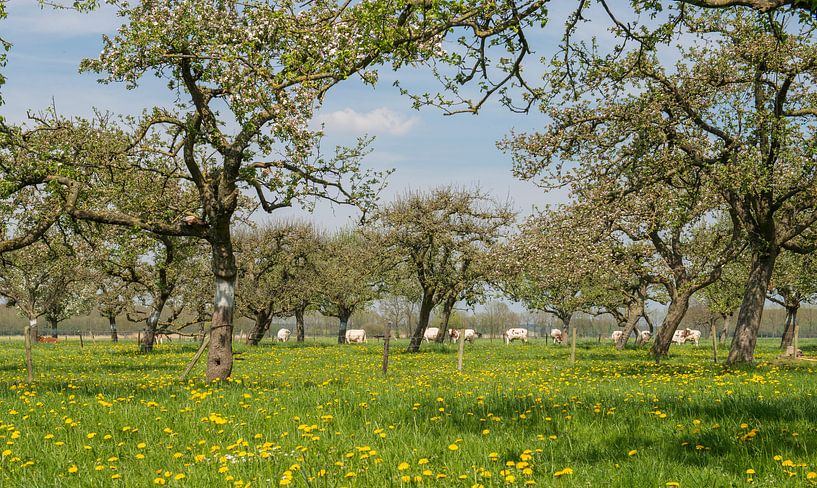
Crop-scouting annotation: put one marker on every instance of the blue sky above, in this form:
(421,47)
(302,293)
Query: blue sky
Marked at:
(425,147)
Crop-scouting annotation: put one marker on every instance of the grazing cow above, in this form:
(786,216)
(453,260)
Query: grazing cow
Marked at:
(454,335)
(558,335)
(470,335)
(356,335)
(693,335)
(47,340)
(616,335)
(644,337)
(283,335)
(686,335)
(431,334)
(515,333)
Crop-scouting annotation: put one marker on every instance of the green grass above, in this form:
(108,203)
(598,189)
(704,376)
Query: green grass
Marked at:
(315,414)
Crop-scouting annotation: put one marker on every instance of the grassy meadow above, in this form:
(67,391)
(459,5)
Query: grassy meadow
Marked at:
(320,415)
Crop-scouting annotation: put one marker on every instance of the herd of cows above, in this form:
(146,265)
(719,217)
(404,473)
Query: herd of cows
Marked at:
(559,336)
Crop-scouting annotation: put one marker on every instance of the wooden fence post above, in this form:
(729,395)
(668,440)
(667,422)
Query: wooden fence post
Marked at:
(81,344)
(714,335)
(386,338)
(461,349)
(29,362)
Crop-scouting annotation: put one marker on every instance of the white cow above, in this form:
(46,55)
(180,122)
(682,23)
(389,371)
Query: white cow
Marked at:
(431,334)
(644,336)
(558,336)
(355,335)
(693,335)
(515,333)
(283,335)
(470,335)
(616,335)
(686,335)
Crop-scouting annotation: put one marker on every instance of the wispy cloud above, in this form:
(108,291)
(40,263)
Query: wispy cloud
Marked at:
(378,121)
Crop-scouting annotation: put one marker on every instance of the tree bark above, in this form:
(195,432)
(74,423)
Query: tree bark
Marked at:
(675,313)
(29,361)
(299,325)
(566,318)
(262,323)
(634,311)
(149,337)
(53,323)
(751,309)
(33,329)
(425,313)
(788,332)
(724,330)
(448,307)
(220,352)
(114,333)
(344,325)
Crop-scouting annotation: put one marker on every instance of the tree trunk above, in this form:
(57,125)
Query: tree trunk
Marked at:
(565,318)
(33,329)
(53,323)
(262,321)
(344,325)
(114,333)
(149,337)
(751,309)
(675,313)
(725,329)
(791,320)
(634,311)
(448,307)
(299,325)
(29,361)
(425,312)
(220,352)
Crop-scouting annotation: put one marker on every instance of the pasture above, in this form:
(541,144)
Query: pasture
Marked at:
(321,415)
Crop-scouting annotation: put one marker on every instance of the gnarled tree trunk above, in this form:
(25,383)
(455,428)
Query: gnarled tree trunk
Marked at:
(151,324)
(343,316)
(425,313)
(675,313)
(724,330)
(448,307)
(788,332)
(751,309)
(33,329)
(634,311)
(53,323)
(220,352)
(262,323)
(299,325)
(114,332)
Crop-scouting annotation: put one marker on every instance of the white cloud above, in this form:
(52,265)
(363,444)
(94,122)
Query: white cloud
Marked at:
(378,121)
